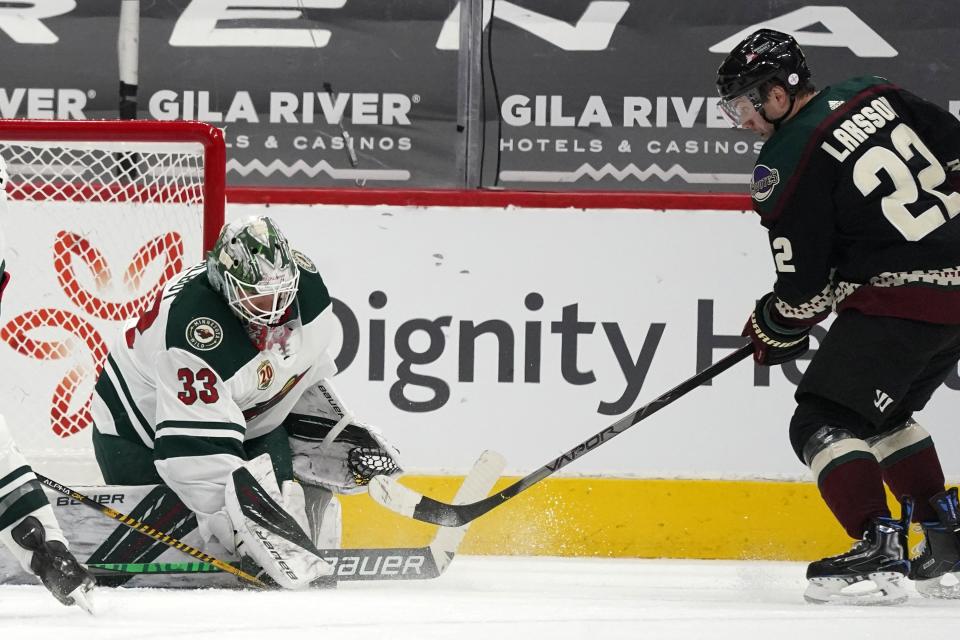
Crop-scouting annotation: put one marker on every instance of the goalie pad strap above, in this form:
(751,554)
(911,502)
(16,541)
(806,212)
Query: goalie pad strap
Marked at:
(338,408)
(337,428)
(324,517)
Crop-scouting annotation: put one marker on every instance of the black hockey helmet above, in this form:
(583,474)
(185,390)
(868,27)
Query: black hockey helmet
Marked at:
(765,55)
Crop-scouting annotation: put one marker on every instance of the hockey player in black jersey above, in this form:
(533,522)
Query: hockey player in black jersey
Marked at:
(857,184)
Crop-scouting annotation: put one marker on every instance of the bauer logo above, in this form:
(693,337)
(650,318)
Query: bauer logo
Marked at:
(372,567)
(763,182)
(101,498)
(204,334)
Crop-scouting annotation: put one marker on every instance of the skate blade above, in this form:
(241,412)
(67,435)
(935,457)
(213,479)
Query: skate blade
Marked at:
(946,586)
(884,588)
(82,597)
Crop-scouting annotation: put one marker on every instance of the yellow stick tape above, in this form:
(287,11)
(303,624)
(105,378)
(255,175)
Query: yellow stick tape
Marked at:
(613,517)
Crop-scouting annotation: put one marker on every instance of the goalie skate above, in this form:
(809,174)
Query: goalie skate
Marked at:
(872,572)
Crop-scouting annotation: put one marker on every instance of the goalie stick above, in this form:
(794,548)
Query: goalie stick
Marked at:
(403,500)
(399,563)
(147,530)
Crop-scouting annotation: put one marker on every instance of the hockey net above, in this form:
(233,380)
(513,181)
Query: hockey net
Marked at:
(98,216)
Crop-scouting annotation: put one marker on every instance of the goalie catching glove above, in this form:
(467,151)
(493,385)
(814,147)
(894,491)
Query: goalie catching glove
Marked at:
(341,457)
(774,343)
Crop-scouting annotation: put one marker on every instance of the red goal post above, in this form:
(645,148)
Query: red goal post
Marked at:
(97,216)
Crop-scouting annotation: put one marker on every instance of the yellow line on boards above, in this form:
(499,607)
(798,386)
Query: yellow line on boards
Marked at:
(612,517)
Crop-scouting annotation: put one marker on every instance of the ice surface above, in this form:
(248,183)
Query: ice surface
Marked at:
(492,599)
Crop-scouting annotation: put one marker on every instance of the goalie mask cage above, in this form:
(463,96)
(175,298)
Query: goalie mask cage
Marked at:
(97,217)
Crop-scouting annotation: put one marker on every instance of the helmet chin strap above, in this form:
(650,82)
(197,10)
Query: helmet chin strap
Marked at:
(777,122)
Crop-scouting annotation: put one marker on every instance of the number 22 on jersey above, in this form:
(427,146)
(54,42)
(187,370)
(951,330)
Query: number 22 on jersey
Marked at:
(905,183)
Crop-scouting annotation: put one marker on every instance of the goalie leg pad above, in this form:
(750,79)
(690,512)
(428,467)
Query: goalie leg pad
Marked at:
(324,516)
(294,503)
(267,531)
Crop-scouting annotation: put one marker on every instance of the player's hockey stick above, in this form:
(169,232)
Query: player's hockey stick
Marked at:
(156,568)
(147,530)
(408,502)
(399,563)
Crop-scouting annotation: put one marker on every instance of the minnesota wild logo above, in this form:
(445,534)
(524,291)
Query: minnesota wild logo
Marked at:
(303,261)
(204,334)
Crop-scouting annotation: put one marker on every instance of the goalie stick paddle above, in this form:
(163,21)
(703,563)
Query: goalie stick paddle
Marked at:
(403,500)
(147,530)
(399,563)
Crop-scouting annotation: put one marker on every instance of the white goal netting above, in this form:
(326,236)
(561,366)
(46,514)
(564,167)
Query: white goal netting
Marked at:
(93,230)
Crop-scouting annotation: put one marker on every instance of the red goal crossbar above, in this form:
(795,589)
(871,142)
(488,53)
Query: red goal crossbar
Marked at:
(133,131)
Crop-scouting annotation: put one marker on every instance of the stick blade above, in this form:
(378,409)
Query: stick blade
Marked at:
(484,474)
(478,483)
(394,496)
(389,493)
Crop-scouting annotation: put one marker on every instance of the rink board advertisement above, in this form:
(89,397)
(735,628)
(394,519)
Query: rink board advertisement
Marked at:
(583,94)
(523,331)
(621,95)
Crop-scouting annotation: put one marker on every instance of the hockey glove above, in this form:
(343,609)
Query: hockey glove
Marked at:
(774,343)
(344,465)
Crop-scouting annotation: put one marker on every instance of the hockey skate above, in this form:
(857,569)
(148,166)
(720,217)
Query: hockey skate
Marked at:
(936,569)
(872,572)
(52,562)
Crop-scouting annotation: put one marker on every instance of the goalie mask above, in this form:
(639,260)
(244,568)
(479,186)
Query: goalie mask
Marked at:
(252,266)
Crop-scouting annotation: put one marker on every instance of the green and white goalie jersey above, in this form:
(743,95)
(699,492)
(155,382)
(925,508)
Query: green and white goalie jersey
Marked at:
(187,381)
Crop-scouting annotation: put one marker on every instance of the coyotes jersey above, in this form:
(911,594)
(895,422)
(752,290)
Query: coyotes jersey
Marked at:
(186,380)
(859,194)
